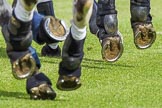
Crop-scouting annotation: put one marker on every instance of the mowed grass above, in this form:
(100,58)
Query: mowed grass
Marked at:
(134,81)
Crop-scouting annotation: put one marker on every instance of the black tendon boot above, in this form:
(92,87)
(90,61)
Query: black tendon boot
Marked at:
(70,66)
(57,28)
(39,87)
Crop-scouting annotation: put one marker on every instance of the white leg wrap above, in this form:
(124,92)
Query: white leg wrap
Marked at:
(22,13)
(78,33)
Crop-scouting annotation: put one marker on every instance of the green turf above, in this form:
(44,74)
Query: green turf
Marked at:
(134,81)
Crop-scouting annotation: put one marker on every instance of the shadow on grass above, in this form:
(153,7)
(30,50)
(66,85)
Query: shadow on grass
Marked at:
(5,95)
(18,95)
(92,63)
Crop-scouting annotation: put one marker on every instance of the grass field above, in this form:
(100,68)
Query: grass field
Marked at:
(134,81)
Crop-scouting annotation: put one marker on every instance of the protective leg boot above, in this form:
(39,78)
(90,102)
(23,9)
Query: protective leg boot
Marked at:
(22,62)
(5,12)
(47,51)
(110,38)
(144,33)
(18,39)
(56,31)
(56,26)
(69,68)
(72,53)
(46,8)
(92,22)
(39,87)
